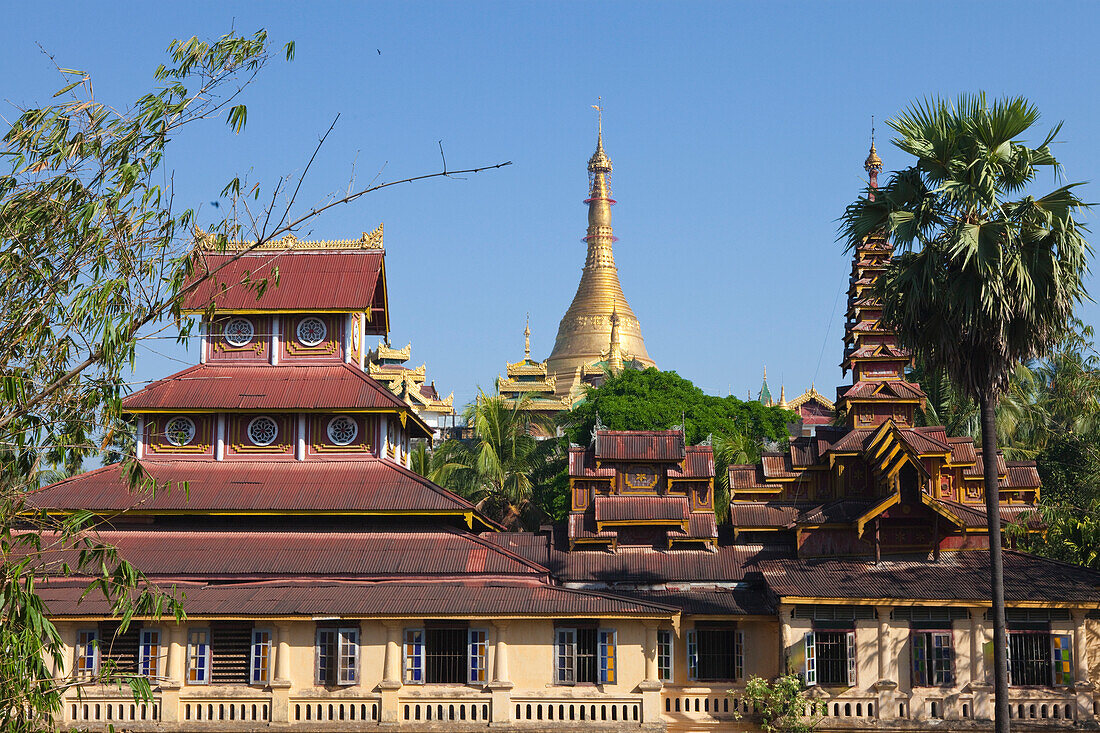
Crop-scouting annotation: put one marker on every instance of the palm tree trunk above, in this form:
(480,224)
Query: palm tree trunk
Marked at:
(996,563)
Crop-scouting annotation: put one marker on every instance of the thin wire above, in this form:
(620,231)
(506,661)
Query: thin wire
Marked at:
(828,330)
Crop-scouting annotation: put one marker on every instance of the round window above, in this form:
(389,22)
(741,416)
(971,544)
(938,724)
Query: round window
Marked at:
(179,430)
(311,331)
(263,430)
(239,332)
(342,429)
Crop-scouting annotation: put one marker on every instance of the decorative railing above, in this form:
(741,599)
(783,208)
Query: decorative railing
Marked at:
(112,709)
(421,709)
(342,710)
(595,710)
(252,709)
(703,704)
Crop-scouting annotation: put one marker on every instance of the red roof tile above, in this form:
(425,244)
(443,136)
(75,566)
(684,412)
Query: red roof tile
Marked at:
(962,450)
(405,552)
(641,508)
(778,465)
(384,599)
(1021,474)
(891,389)
(747,477)
(582,526)
(347,281)
(640,445)
(251,387)
(362,485)
(978,469)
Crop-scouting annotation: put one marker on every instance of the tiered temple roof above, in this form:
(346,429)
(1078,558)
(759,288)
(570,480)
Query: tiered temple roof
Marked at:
(387,365)
(531,379)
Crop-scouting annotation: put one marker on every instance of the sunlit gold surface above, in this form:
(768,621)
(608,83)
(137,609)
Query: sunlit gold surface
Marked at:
(369,240)
(585,330)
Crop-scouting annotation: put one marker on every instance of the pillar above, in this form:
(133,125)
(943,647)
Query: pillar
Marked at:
(501,686)
(651,685)
(979,685)
(391,674)
(784,611)
(280,685)
(175,668)
(885,685)
(1082,686)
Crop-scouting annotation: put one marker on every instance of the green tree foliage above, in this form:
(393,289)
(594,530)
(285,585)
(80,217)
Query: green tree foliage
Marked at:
(780,705)
(988,276)
(496,469)
(657,400)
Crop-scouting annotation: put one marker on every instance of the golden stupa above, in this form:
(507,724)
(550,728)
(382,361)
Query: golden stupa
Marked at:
(585,330)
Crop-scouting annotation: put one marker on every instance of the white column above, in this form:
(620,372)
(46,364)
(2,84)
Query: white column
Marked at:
(362,327)
(347,337)
(384,440)
(300,452)
(391,668)
(883,642)
(651,653)
(500,662)
(219,439)
(1080,648)
(204,341)
(977,654)
(275,324)
(282,655)
(177,648)
(139,450)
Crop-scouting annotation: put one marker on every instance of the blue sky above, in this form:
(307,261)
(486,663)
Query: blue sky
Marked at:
(737,132)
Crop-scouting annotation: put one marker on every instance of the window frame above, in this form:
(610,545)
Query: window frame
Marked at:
(412,656)
(737,653)
(150,660)
(259,656)
(87,640)
(344,660)
(477,656)
(930,676)
(1054,639)
(192,657)
(607,662)
(666,672)
(811,657)
(565,655)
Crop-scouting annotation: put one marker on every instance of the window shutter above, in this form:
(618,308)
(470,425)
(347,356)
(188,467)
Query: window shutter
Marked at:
(664,655)
(348,653)
(693,655)
(943,653)
(851,658)
(809,659)
(566,656)
(739,655)
(920,658)
(607,656)
(414,656)
(478,645)
(260,658)
(1062,658)
(1008,657)
(149,653)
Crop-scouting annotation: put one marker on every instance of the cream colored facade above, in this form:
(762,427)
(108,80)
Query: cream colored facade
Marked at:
(522,693)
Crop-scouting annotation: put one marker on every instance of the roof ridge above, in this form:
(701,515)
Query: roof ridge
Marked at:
(497,548)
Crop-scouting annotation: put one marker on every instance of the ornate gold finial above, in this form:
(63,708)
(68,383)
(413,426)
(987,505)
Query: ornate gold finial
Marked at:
(783,396)
(873,164)
(527,338)
(599,162)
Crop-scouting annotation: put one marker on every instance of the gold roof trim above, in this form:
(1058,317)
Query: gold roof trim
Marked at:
(511,385)
(808,395)
(369,240)
(388,352)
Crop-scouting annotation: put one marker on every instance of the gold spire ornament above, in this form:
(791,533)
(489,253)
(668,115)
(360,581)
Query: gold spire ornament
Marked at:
(614,350)
(585,330)
(527,338)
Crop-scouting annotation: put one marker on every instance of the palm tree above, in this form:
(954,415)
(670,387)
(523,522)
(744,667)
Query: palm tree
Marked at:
(495,470)
(731,448)
(989,275)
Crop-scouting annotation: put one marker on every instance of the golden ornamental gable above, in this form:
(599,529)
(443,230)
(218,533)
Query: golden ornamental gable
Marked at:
(369,240)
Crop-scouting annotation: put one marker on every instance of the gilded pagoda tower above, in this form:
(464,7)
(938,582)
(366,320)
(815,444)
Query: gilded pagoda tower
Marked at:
(585,330)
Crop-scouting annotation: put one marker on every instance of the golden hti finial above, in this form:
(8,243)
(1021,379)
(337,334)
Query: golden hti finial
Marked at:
(783,396)
(527,338)
(873,164)
(599,162)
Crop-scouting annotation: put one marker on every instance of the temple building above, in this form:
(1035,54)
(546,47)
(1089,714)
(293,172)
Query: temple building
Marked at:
(330,588)
(584,333)
(387,365)
(531,379)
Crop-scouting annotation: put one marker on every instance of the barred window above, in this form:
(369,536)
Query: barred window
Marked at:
(715,652)
(829,658)
(1039,658)
(933,658)
(452,655)
(664,655)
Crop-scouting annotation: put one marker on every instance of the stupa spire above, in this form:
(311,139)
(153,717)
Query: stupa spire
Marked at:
(527,338)
(873,164)
(585,330)
(615,351)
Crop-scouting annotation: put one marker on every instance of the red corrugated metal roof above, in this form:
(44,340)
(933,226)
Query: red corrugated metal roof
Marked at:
(362,485)
(648,565)
(754,514)
(1021,474)
(978,469)
(747,477)
(385,599)
(265,387)
(891,389)
(582,464)
(640,445)
(641,508)
(347,281)
(404,552)
(698,463)
(962,576)
(778,465)
(962,450)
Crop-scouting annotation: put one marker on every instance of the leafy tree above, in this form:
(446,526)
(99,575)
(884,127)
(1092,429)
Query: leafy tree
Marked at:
(658,400)
(780,705)
(96,258)
(988,277)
